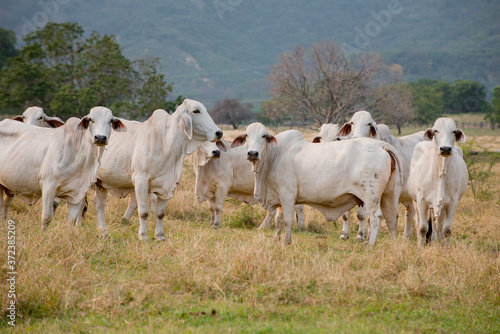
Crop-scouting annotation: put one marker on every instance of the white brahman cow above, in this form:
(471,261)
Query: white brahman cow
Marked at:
(39,162)
(438,178)
(327,133)
(36,116)
(363,125)
(209,151)
(149,159)
(230,175)
(288,170)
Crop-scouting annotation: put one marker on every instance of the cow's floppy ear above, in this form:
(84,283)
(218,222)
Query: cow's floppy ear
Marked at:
(317,139)
(428,134)
(345,130)
(118,126)
(459,136)
(374,131)
(271,140)
(19,118)
(199,159)
(84,123)
(221,146)
(187,124)
(54,122)
(238,141)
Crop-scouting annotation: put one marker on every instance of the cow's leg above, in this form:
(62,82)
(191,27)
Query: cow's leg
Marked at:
(299,214)
(211,205)
(132,206)
(83,209)
(362,223)
(267,221)
(220,197)
(438,226)
(410,213)
(346,216)
(100,196)
(153,203)
(423,224)
(288,207)
(74,212)
(5,206)
(161,205)
(389,206)
(141,193)
(448,221)
(278,220)
(48,195)
(376,215)
(3,209)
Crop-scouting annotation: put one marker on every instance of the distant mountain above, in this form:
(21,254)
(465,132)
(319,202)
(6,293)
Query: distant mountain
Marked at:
(215,49)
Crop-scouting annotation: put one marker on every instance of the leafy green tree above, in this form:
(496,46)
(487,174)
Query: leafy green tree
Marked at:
(467,96)
(67,75)
(493,115)
(427,102)
(7,45)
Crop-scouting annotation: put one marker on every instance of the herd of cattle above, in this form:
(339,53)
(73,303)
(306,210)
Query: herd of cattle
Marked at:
(359,164)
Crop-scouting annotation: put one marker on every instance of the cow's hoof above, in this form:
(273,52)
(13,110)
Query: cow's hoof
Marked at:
(160,238)
(216,226)
(360,238)
(143,237)
(344,237)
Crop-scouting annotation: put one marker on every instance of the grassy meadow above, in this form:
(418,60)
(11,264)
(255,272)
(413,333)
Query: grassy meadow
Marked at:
(236,279)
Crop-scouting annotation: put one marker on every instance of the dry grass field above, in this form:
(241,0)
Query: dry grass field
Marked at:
(235,279)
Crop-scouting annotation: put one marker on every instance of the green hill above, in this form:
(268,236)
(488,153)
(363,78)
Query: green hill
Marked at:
(213,49)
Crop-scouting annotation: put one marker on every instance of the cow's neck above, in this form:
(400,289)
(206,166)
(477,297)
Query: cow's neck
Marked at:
(440,164)
(174,146)
(261,170)
(79,153)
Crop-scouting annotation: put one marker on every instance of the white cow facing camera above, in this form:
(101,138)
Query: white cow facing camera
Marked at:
(438,179)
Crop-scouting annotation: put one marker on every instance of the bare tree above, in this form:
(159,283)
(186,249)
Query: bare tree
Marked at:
(323,84)
(397,106)
(232,111)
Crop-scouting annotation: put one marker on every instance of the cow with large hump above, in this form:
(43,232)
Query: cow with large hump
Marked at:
(229,175)
(48,163)
(288,170)
(438,179)
(148,160)
(35,116)
(363,125)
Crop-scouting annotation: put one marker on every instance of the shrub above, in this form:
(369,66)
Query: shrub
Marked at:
(479,162)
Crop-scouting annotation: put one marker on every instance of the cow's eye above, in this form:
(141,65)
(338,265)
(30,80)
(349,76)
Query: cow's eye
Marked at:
(436,131)
(264,136)
(196,111)
(41,117)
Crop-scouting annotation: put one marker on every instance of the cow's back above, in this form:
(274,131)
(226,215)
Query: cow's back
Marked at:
(22,152)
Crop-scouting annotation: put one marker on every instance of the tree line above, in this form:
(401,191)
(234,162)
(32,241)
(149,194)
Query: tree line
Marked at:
(66,73)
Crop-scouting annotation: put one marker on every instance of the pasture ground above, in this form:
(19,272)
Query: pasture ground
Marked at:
(236,279)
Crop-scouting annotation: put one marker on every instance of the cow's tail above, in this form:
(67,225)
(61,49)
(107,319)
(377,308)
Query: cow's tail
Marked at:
(396,167)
